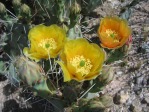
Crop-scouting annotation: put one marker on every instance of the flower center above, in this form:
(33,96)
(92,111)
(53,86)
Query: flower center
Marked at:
(112,34)
(81,64)
(48,44)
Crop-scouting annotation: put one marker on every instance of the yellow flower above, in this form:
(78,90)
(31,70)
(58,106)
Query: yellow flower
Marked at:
(81,60)
(113,32)
(45,42)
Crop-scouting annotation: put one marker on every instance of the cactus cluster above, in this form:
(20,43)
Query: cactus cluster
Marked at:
(44,77)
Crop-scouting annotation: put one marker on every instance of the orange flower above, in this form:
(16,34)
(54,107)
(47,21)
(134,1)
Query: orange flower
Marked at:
(113,32)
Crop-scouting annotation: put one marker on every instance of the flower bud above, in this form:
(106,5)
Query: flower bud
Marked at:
(126,48)
(2,8)
(16,2)
(75,8)
(129,41)
(95,105)
(107,74)
(28,71)
(25,9)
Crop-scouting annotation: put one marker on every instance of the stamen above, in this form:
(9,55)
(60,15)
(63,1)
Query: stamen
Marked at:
(113,34)
(81,64)
(48,44)
(115,40)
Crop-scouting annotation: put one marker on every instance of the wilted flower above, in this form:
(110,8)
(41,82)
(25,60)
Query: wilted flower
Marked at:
(81,60)
(113,32)
(126,48)
(46,42)
(129,41)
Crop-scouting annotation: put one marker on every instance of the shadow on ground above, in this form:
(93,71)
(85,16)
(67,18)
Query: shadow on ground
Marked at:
(2,78)
(13,106)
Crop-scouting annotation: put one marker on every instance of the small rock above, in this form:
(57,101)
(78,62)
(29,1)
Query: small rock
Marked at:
(139,80)
(120,98)
(146,80)
(124,98)
(146,8)
(146,99)
(137,90)
(135,106)
(119,72)
(145,109)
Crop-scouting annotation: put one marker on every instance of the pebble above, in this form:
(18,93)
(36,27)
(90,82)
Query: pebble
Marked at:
(136,106)
(146,99)
(119,72)
(120,98)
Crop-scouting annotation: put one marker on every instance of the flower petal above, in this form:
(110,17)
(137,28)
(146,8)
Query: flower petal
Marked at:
(27,53)
(67,76)
(38,32)
(73,47)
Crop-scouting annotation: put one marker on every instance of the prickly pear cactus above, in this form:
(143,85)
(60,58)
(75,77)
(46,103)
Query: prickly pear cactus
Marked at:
(86,73)
(32,75)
